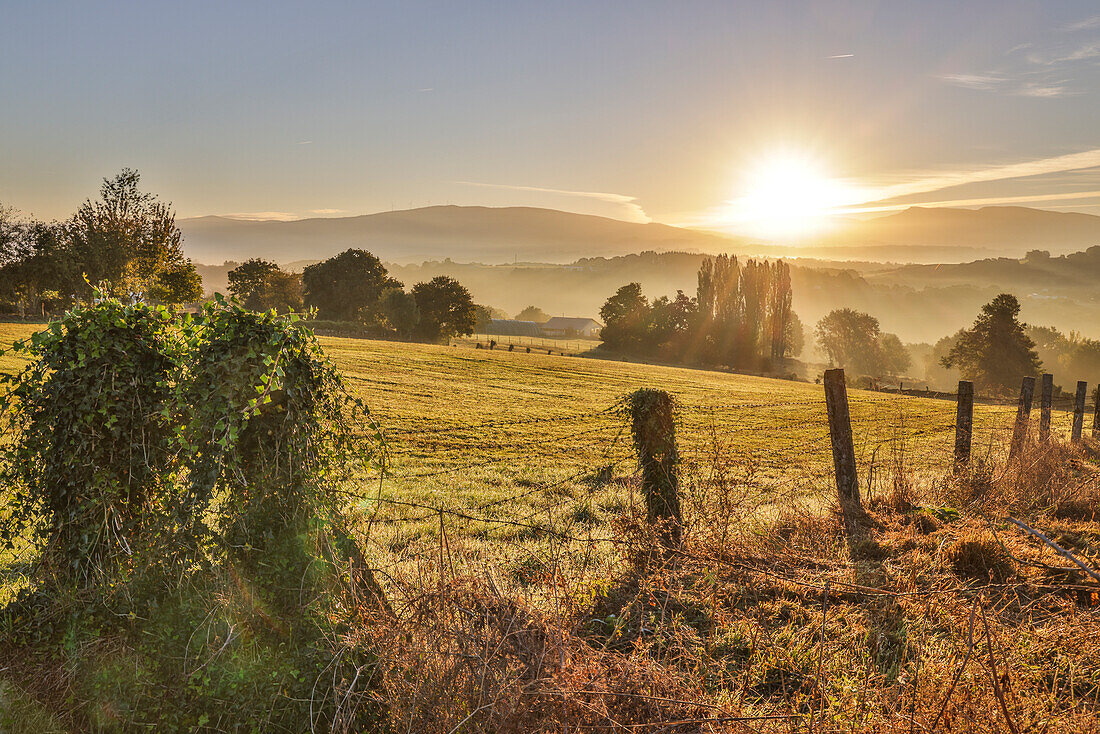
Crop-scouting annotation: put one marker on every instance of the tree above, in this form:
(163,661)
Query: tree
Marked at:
(626,318)
(995,353)
(400,311)
(533,313)
(129,240)
(850,339)
(1050,343)
(36,267)
(894,357)
(795,339)
(744,311)
(347,287)
(1082,359)
(446,309)
(670,324)
(261,286)
(174,284)
(780,316)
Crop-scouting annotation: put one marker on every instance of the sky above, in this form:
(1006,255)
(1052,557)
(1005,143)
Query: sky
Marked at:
(680,112)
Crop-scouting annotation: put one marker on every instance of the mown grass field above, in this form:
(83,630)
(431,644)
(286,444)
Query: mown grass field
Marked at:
(466,428)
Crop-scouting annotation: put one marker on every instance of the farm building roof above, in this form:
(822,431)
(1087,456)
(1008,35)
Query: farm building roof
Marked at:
(565,322)
(511,327)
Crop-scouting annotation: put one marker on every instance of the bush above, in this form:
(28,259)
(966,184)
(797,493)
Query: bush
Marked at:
(187,466)
(90,457)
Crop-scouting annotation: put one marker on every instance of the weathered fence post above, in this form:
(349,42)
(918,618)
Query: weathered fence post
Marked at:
(1079,410)
(654,432)
(1023,413)
(964,422)
(844,454)
(1044,406)
(1096,413)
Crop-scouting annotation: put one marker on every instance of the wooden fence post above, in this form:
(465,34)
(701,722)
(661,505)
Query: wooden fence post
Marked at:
(1044,406)
(1023,413)
(1096,413)
(844,454)
(654,432)
(964,422)
(1079,410)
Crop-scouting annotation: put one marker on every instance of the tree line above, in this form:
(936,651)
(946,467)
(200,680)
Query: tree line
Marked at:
(740,317)
(354,287)
(125,242)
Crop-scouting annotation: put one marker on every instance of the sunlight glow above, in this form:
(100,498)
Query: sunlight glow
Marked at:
(788,195)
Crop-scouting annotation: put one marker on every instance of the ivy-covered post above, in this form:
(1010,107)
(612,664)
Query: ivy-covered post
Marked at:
(87,449)
(653,427)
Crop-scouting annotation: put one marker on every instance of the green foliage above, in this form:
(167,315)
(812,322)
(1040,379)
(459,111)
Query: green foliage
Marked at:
(1079,356)
(89,455)
(653,427)
(446,309)
(347,287)
(261,286)
(400,310)
(740,317)
(266,423)
(35,266)
(625,316)
(130,240)
(996,351)
(852,339)
(180,474)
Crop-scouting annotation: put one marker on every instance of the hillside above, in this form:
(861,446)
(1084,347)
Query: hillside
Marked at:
(1002,230)
(469,233)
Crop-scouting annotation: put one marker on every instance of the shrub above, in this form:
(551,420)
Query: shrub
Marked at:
(980,559)
(90,458)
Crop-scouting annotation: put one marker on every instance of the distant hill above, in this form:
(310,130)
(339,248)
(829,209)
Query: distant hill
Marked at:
(468,233)
(503,234)
(1002,230)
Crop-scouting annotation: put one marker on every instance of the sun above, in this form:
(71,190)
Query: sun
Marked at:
(787,195)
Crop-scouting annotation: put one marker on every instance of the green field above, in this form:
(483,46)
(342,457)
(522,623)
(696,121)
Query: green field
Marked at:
(515,436)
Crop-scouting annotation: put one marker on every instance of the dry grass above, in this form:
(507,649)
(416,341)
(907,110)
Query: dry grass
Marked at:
(944,620)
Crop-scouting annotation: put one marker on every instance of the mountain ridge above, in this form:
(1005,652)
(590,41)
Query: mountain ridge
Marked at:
(476,232)
(506,234)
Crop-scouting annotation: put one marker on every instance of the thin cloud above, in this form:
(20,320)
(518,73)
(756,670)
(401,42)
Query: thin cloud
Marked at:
(1054,57)
(1043,90)
(841,56)
(262,216)
(632,211)
(304,142)
(327,211)
(985,82)
(985,201)
(1082,25)
(1057,164)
